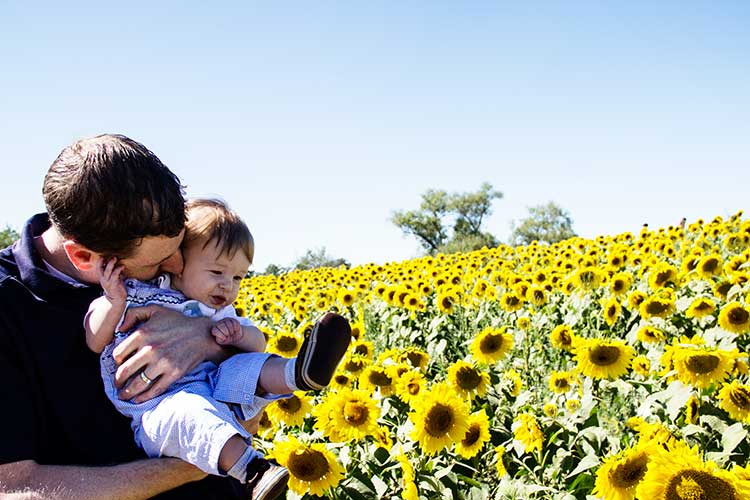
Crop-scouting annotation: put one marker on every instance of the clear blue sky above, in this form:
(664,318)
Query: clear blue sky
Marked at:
(315,120)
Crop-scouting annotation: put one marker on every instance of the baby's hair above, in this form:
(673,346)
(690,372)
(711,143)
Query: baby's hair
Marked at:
(212,220)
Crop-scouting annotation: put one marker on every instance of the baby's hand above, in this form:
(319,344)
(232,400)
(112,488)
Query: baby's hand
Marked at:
(110,277)
(227,331)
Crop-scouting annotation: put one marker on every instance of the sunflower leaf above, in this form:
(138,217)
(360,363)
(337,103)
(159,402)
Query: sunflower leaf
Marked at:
(588,462)
(732,437)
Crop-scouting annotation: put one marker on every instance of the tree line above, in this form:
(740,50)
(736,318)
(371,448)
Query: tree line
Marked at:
(443,223)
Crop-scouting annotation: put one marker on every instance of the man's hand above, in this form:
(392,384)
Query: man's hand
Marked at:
(227,331)
(164,347)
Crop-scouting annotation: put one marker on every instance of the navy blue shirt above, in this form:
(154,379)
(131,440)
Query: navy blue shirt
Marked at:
(54,408)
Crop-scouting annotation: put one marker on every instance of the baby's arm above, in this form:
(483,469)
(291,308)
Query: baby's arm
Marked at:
(105,312)
(248,338)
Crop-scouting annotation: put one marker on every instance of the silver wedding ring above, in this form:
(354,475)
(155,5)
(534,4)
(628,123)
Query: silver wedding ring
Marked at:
(145,378)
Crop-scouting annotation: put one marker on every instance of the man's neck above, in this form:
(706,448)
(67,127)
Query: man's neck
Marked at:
(50,247)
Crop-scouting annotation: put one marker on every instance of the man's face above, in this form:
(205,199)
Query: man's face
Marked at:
(155,254)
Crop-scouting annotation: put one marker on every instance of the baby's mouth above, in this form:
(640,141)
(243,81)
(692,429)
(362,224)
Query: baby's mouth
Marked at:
(217,300)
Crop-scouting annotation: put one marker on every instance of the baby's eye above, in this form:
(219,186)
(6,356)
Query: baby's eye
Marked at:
(238,278)
(215,273)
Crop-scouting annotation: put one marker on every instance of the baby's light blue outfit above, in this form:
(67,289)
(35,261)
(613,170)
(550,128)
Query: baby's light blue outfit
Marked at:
(197,414)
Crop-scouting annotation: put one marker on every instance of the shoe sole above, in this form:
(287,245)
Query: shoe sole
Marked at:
(313,339)
(276,486)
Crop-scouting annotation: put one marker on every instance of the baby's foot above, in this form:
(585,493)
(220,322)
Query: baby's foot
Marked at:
(321,352)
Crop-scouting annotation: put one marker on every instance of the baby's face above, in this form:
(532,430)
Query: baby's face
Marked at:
(210,276)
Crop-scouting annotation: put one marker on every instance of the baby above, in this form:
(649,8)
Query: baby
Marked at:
(198,418)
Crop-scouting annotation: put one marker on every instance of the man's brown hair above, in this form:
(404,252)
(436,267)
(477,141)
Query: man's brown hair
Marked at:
(109,192)
(212,221)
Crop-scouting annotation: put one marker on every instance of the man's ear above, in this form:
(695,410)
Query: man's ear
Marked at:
(81,257)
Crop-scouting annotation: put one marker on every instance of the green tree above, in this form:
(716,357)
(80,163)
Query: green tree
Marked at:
(8,236)
(274,269)
(318,258)
(450,222)
(548,223)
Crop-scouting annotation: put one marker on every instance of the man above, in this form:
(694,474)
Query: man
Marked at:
(107,196)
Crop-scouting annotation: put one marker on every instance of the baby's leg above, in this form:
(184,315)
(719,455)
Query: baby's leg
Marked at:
(197,429)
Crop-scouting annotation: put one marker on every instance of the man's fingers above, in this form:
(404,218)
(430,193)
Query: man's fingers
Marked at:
(158,387)
(135,315)
(134,364)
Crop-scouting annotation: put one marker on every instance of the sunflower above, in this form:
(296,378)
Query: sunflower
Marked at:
(572,404)
(635,299)
(341,380)
(561,382)
(701,366)
(410,491)
(650,334)
(735,400)
(312,468)
(291,410)
(468,381)
(692,407)
(562,337)
(410,385)
(641,365)
(709,266)
(550,409)
(511,301)
(491,345)
(656,307)
(680,474)
(348,414)
(446,301)
(526,430)
(354,363)
(662,275)
(514,382)
(620,474)
(376,377)
(358,330)
(346,297)
(363,348)
(620,283)
(440,418)
(588,278)
(500,466)
(523,323)
(476,436)
(285,344)
(415,357)
(598,358)
(735,318)
(611,310)
(536,295)
(721,289)
(700,307)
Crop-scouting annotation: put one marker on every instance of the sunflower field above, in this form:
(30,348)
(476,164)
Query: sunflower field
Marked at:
(613,368)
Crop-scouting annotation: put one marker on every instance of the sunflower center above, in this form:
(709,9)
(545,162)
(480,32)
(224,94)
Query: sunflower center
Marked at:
(740,397)
(738,316)
(702,363)
(662,277)
(604,355)
(472,436)
(362,349)
(698,485)
(562,383)
(446,302)
(308,465)
(618,285)
(355,413)
(468,378)
(439,420)
(710,265)
(341,379)
(703,306)
(413,388)
(354,365)
(512,300)
(290,405)
(379,378)
(264,421)
(629,473)
(656,307)
(286,344)
(491,343)
(415,358)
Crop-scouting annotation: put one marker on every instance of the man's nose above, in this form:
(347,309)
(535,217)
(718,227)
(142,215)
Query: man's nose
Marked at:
(173,264)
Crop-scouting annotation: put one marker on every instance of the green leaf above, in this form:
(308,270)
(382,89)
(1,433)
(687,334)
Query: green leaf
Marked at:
(732,437)
(588,462)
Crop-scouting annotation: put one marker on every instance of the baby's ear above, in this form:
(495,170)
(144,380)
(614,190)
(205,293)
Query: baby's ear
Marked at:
(81,257)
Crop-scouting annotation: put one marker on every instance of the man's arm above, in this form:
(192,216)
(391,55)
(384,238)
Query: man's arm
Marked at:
(132,481)
(166,345)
